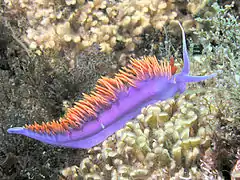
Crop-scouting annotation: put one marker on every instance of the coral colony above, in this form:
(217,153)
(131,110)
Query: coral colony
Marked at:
(57,24)
(114,102)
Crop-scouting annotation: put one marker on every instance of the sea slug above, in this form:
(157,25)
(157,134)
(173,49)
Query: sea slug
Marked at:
(113,102)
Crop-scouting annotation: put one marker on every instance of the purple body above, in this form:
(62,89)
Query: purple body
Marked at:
(127,106)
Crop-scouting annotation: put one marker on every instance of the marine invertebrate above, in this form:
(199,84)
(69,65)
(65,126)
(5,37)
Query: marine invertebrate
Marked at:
(165,141)
(194,6)
(114,102)
(57,24)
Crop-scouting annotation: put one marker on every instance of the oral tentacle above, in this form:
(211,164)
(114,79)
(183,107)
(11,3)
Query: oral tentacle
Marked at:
(189,79)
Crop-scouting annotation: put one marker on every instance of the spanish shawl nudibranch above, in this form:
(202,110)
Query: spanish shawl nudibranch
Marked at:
(114,102)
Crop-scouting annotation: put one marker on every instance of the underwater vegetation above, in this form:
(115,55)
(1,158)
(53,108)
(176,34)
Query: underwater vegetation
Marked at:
(220,39)
(114,102)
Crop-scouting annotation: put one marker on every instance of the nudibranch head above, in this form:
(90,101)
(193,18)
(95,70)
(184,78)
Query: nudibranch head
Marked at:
(183,78)
(113,102)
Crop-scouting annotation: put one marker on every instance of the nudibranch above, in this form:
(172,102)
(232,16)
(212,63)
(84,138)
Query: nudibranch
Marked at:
(113,102)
